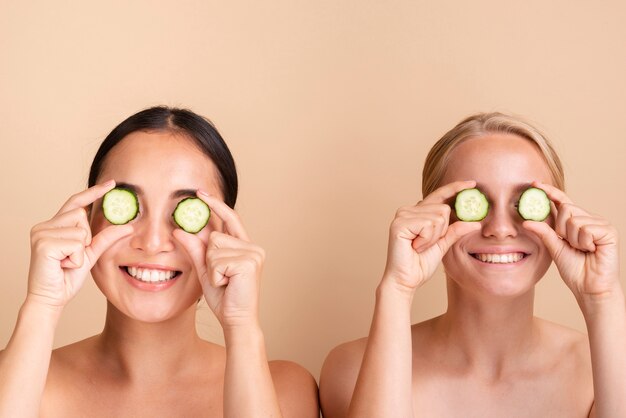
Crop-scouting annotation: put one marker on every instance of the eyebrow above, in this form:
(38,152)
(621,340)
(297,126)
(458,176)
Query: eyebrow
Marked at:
(518,188)
(139,191)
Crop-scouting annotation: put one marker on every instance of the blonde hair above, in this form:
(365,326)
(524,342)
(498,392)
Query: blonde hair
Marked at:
(479,125)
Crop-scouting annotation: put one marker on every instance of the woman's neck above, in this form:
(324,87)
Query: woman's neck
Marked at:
(141,351)
(491,334)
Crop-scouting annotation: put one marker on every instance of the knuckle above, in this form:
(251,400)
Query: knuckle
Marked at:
(261,253)
(35,235)
(214,235)
(211,253)
(396,224)
(572,222)
(41,244)
(253,262)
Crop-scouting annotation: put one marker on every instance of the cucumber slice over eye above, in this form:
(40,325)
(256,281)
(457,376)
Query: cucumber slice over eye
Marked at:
(120,206)
(471,205)
(534,205)
(191,214)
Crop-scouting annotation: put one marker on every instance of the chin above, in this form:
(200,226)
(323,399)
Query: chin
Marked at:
(154,312)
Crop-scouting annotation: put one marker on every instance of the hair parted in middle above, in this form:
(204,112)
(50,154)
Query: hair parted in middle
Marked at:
(482,124)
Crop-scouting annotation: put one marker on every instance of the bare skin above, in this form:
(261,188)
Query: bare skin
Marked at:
(108,377)
(149,360)
(488,356)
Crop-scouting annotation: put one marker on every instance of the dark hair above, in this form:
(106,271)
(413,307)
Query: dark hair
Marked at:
(197,128)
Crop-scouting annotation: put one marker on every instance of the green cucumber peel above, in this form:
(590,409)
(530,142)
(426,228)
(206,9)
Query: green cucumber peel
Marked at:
(192,214)
(534,205)
(120,206)
(471,205)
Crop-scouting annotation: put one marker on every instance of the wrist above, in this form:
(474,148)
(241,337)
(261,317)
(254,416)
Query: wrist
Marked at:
(391,289)
(248,333)
(34,315)
(47,302)
(597,305)
(39,306)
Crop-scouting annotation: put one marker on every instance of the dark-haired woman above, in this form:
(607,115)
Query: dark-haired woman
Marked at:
(149,361)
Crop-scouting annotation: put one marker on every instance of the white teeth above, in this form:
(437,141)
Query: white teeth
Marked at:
(500,258)
(150,275)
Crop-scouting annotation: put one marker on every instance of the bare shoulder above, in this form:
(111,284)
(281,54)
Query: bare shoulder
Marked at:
(565,342)
(565,356)
(72,356)
(296,389)
(338,378)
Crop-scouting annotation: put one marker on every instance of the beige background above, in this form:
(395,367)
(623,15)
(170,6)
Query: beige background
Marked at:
(329,108)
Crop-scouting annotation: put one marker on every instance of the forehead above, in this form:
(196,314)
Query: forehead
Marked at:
(168,158)
(497,160)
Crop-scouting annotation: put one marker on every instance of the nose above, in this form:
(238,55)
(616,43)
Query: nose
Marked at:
(502,222)
(152,235)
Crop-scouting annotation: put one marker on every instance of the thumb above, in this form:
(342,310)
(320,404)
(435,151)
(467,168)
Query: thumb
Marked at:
(454,232)
(196,249)
(551,240)
(104,239)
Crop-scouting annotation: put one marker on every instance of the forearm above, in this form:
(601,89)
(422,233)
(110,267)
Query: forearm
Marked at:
(248,387)
(385,379)
(606,326)
(25,361)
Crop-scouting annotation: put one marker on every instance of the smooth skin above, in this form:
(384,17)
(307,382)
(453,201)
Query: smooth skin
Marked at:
(488,355)
(148,361)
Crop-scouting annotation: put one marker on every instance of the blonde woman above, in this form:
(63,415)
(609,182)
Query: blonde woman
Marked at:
(488,355)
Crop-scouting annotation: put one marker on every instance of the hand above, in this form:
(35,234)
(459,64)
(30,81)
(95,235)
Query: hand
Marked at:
(63,250)
(584,247)
(420,235)
(228,267)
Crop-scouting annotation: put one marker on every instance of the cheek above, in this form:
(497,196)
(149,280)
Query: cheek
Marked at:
(106,262)
(453,259)
(97,221)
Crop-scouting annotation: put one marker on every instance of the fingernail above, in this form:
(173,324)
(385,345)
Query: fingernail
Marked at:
(203,193)
(108,183)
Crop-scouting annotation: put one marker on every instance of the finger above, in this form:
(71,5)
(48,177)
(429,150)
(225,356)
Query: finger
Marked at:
(215,254)
(197,251)
(567,211)
(220,272)
(425,239)
(232,222)
(74,260)
(104,239)
(555,194)
(586,239)
(430,227)
(223,240)
(597,235)
(68,252)
(224,270)
(439,230)
(75,217)
(548,236)
(87,197)
(448,191)
(572,229)
(70,233)
(455,232)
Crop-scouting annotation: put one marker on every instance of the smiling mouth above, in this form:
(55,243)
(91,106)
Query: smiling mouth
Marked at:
(508,258)
(151,275)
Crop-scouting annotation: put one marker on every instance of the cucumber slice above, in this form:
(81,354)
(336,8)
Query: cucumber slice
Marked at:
(471,205)
(191,214)
(534,205)
(120,206)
